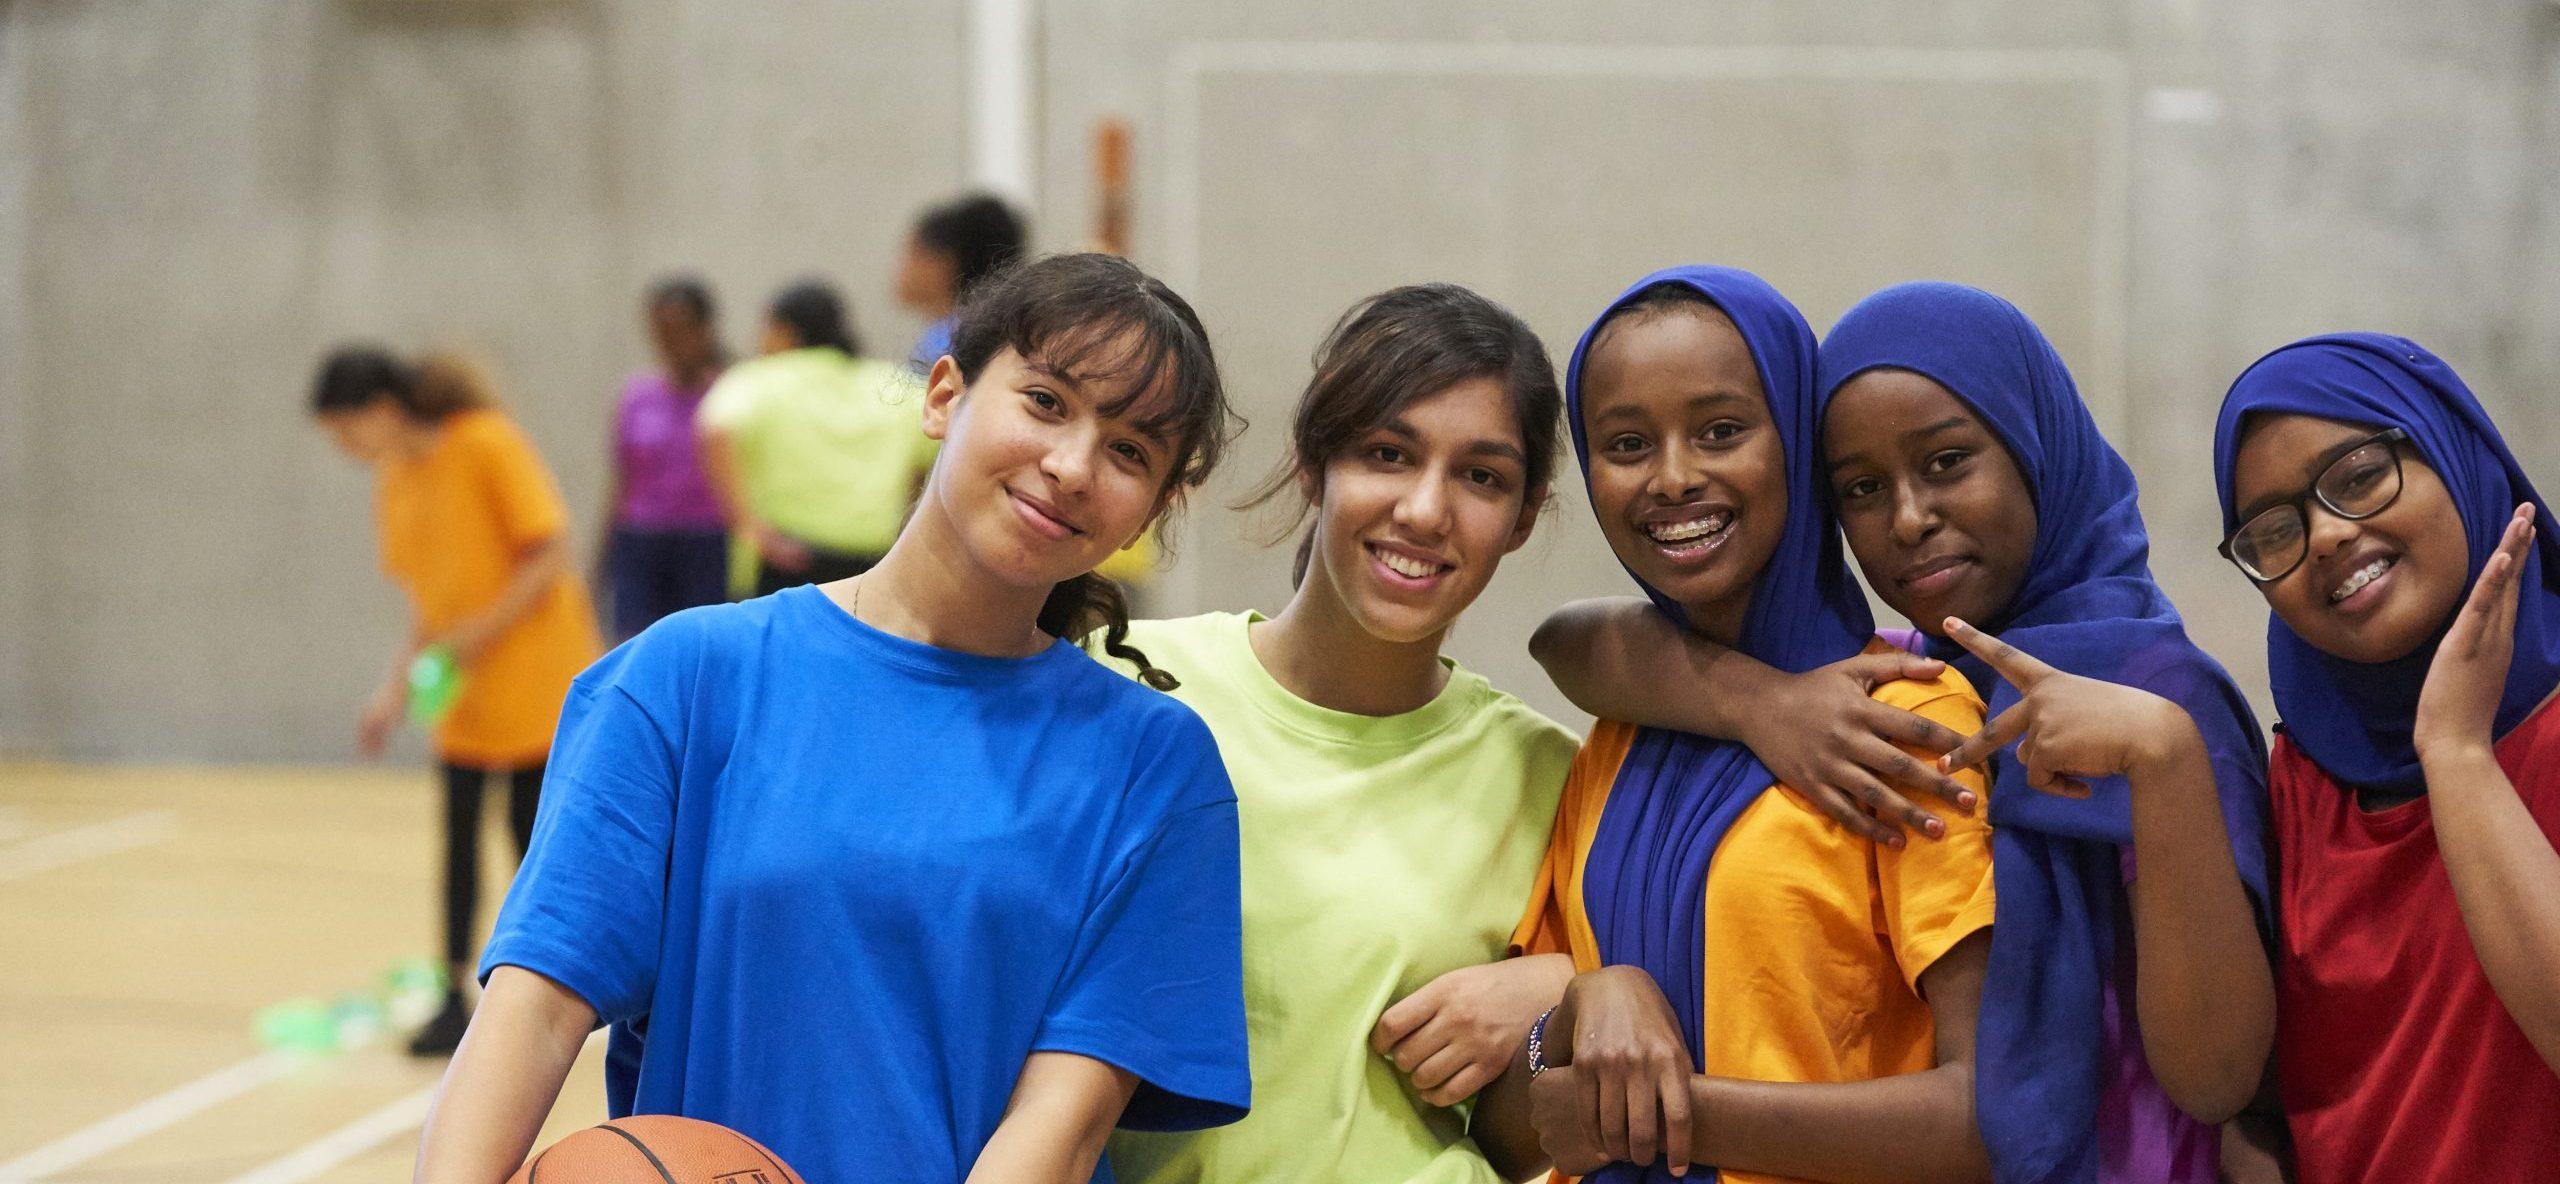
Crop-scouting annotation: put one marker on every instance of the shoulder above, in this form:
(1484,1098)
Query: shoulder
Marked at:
(1508,719)
(1949,694)
(482,428)
(1187,648)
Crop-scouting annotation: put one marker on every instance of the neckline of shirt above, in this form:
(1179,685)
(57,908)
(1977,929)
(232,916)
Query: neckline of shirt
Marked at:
(932,661)
(1348,728)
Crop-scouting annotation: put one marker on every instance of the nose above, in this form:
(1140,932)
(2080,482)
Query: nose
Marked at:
(1679,475)
(1069,461)
(1915,515)
(1424,509)
(2325,533)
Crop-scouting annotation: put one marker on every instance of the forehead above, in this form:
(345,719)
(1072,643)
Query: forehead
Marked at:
(1683,349)
(1118,370)
(1887,403)
(2286,448)
(1477,407)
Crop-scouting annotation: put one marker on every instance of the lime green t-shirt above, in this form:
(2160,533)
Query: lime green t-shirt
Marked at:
(1378,854)
(829,447)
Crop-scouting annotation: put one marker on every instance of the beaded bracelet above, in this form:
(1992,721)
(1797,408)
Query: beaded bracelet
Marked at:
(1537,1044)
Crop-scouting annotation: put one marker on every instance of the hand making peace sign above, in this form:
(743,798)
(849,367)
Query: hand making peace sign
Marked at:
(2068,728)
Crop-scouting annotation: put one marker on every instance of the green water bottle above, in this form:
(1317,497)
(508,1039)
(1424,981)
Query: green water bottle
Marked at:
(434,679)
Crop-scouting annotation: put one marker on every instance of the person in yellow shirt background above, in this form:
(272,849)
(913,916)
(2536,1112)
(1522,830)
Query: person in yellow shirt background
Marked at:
(473,530)
(814,450)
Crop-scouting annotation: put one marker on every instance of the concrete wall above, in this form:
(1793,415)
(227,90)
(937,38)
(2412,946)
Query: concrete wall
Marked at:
(215,193)
(199,198)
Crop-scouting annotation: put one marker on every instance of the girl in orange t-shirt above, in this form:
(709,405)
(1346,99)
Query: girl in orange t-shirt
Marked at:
(474,531)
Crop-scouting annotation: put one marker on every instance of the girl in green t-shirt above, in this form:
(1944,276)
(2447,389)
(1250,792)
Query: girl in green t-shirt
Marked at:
(1393,805)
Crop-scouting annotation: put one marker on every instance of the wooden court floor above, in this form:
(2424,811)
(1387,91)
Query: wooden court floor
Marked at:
(147,915)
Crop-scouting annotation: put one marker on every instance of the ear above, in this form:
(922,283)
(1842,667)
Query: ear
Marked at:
(1311,483)
(942,392)
(1530,507)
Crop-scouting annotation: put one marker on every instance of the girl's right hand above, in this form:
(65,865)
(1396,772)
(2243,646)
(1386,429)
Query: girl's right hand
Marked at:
(1828,742)
(381,715)
(1631,1065)
(2069,729)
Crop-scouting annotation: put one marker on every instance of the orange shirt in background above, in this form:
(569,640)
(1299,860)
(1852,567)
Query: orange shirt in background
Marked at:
(453,523)
(1815,938)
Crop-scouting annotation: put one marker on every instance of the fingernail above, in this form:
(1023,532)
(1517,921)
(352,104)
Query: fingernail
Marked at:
(1937,829)
(1966,799)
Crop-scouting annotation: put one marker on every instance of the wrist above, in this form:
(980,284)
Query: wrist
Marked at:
(2455,752)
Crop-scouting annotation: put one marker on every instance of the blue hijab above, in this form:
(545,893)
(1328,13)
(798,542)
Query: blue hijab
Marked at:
(1676,794)
(2353,719)
(2088,606)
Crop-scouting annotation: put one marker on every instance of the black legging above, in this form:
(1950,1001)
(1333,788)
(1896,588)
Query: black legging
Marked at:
(463,789)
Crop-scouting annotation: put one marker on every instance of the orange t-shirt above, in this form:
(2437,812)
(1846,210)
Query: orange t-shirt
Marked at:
(453,523)
(1815,938)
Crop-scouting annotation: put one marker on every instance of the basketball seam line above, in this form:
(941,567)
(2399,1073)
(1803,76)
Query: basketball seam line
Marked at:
(663,1174)
(788,1176)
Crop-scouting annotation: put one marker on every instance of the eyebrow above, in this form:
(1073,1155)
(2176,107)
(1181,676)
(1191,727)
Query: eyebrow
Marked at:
(2317,466)
(1700,399)
(1497,448)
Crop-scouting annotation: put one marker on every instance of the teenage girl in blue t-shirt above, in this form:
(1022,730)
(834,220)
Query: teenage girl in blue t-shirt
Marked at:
(881,872)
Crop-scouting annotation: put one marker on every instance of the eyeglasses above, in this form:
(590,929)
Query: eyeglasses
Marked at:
(2358,485)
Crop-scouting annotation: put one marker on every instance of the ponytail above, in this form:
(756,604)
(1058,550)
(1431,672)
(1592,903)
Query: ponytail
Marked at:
(1093,601)
(450,382)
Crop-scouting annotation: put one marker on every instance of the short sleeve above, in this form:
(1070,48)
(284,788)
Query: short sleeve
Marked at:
(528,506)
(729,401)
(1549,926)
(1935,894)
(588,906)
(1155,984)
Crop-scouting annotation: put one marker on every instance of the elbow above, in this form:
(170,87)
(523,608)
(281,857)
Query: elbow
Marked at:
(2211,1093)
(1546,641)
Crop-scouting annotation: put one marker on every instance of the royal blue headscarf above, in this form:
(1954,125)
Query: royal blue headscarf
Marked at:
(2353,719)
(1644,884)
(2088,606)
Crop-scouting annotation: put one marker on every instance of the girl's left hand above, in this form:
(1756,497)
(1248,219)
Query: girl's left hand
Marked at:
(1457,1033)
(2458,707)
(2068,728)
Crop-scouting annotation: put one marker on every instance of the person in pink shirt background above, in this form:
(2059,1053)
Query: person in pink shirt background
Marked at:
(667,545)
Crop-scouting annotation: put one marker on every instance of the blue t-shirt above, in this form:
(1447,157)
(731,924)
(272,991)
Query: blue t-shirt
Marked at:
(832,887)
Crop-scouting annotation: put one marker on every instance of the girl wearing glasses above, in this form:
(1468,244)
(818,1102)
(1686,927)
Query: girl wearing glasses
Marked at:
(2415,786)
(1973,486)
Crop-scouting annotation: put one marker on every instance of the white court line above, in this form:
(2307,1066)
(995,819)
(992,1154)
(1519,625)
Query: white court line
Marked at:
(344,1143)
(175,1106)
(44,853)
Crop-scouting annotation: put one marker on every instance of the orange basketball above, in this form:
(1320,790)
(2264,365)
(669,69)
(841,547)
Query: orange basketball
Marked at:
(656,1149)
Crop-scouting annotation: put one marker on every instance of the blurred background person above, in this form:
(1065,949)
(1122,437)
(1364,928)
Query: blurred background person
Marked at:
(474,531)
(666,543)
(954,245)
(814,450)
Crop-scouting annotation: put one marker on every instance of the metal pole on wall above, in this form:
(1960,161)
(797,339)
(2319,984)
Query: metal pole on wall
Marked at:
(1003,72)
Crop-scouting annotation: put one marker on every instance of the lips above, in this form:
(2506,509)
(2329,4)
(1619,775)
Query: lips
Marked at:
(1689,532)
(1043,517)
(2362,578)
(1406,567)
(1930,576)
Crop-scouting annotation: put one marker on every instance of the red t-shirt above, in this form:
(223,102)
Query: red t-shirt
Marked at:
(2397,1061)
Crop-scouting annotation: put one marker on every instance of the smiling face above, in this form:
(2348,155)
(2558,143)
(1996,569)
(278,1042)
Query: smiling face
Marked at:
(1934,507)
(1688,476)
(2366,591)
(1037,479)
(1412,521)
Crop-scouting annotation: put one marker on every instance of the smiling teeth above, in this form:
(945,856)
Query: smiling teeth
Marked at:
(1695,528)
(1411,569)
(2355,583)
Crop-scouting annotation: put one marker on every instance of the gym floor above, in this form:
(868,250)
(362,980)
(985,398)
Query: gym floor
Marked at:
(147,915)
